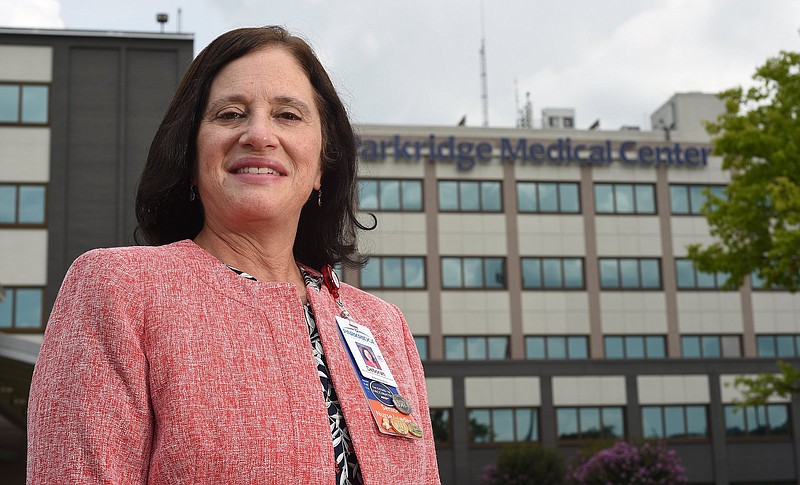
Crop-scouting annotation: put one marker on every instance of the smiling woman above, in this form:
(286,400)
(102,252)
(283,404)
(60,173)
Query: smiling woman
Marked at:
(218,355)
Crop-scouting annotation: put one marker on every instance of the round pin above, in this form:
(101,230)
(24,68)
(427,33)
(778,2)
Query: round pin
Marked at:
(400,425)
(414,429)
(401,404)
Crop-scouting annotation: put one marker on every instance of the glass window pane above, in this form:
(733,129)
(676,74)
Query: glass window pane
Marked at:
(422,347)
(8,203)
(679,199)
(490,196)
(9,104)
(534,346)
(711,347)
(451,273)
(696,425)
(548,197)
(778,418)
(440,419)
(552,273)
(674,421)
(623,196)
(567,422)
(495,273)
(526,197)
(28,308)
(526,425)
(6,305)
(34,104)
(503,424)
(604,199)
(651,274)
(568,198)
(706,280)
(652,425)
(476,348)
(368,194)
(785,345)
(412,195)
(577,348)
(690,346)
(454,348)
(697,198)
(765,345)
(473,272)
(685,273)
(731,346)
(392,273)
(480,430)
(371,274)
(448,196)
(645,199)
(470,196)
(556,348)
(655,347)
(590,422)
(629,269)
(573,273)
(609,276)
(614,348)
(531,273)
(613,425)
(634,347)
(414,272)
(734,421)
(498,348)
(390,195)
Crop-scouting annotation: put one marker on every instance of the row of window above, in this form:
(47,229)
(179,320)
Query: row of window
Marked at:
(532,197)
(675,422)
(554,347)
(21,308)
(23,104)
(22,204)
(547,273)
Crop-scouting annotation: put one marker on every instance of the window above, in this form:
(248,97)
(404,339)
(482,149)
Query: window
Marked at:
(390,195)
(689,199)
(503,425)
(690,277)
(568,122)
(422,347)
(778,345)
(586,423)
(476,348)
(760,283)
(635,346)
(624,199)
(470,196)
(710,346)
(21,308)
(630,274)
(557,347)
(394,272)
(552,274)
(22,204)
(22,104)
(757,421)
(440,420)
(548,197)
(473,273)
(674,422)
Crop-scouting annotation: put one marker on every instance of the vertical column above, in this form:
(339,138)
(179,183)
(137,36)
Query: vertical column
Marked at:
(633,422)
(432,266)
(716,426)
(591,264)
(547,413)
(668,278)
(459,425)
(748,320)
(513,271)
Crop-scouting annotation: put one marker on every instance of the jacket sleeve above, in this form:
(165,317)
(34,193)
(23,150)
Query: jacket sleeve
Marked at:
(429,464)
(89,414)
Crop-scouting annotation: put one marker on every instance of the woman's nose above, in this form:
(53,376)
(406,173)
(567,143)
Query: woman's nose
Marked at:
(259,133)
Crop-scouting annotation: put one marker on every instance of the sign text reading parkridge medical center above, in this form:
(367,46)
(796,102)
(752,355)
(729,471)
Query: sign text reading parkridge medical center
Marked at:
(562,151)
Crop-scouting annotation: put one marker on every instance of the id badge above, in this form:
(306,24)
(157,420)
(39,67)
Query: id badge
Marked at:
(391,411)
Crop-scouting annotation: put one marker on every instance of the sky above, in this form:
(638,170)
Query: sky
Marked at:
(417,62)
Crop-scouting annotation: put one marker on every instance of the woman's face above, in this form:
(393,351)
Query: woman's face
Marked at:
(259,143)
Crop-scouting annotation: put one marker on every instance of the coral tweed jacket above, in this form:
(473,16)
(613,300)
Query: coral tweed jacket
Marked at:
(160,365)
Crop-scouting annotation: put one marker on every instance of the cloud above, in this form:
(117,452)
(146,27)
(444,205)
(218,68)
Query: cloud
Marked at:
(31,13)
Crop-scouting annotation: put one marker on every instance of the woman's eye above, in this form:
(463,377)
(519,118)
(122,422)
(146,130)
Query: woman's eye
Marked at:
(229,115)
(289,115)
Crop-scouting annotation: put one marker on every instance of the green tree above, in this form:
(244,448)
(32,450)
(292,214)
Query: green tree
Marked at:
(756,225)
(526,463)
(756,390)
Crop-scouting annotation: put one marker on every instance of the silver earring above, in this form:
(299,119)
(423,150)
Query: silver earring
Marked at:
(192,195)
(319,197)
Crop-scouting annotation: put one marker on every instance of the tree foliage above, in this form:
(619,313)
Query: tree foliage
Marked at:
(525,463)
(756,225)
(648,464)
(756,390)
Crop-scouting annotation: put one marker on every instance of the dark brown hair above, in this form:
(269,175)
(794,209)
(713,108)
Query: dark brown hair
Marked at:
(326,234)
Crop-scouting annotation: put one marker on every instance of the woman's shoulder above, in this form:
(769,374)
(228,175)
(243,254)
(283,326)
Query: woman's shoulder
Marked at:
(133,259)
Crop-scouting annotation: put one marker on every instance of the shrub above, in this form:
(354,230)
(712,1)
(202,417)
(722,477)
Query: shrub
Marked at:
(525,463)
(625,463)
